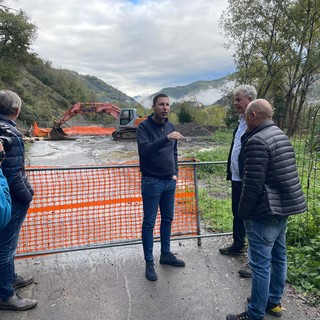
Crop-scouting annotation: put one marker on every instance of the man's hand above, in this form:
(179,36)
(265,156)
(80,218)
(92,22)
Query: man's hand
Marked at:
(175,135)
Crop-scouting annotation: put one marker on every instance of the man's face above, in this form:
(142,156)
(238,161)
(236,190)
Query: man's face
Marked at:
(241,101)
(161,109)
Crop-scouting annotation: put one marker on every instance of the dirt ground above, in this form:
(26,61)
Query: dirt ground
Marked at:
(92,150)
(103,149)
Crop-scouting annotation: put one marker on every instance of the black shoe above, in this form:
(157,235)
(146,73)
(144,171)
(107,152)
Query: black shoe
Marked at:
(245,272)
(22,282)
(18,303)
(234,250)
(241,316)
(170,258)
(150,272)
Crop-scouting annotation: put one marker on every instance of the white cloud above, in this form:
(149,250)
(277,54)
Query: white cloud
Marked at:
(137,47)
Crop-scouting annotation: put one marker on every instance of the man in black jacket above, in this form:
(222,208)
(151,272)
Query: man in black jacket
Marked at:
(157,145)
(21,193)
(271,192)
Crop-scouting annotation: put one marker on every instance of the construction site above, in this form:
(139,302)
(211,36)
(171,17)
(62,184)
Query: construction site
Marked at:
(81,240)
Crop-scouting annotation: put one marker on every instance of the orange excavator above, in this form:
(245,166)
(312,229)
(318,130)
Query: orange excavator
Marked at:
(126,126)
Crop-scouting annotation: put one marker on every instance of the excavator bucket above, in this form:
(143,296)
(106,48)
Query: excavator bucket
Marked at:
(58,134)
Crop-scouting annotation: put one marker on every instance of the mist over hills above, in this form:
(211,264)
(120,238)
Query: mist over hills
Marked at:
(204,92)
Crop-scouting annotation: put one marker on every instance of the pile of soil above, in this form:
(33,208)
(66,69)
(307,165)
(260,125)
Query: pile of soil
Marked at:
(193,130)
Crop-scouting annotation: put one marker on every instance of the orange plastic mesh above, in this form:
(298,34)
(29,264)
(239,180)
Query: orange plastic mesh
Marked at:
(90,206)
(77,130)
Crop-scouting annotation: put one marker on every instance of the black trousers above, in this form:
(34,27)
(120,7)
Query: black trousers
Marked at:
(239,231)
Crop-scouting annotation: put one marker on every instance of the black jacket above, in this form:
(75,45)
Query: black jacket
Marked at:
(229,174)
(271,185)
(13,166)
(158,155)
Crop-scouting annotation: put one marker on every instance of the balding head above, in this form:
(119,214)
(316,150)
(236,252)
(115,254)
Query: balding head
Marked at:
(258,112)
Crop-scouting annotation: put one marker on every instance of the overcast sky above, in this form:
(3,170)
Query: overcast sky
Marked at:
(136,46)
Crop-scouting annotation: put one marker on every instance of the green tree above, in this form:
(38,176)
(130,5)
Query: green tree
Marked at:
(277,50)
(185,113)
(16,36)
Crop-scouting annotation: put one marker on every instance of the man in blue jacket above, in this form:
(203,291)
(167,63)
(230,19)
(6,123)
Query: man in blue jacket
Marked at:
(21,194)
(157,145)
(271,191)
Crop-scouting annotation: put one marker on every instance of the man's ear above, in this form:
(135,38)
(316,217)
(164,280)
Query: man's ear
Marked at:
(254,115)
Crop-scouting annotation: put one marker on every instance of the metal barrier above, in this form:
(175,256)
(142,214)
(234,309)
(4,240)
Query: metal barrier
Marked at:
(98,206)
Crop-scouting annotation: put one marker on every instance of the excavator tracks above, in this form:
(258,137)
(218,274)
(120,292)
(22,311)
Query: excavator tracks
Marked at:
(124,134)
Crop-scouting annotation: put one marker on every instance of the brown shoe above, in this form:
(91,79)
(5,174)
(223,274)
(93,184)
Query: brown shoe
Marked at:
(17,303)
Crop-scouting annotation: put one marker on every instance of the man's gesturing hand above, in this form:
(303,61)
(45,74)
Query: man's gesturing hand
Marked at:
(175,135)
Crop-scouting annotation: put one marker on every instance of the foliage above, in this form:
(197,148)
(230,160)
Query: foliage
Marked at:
(185,113)
(304,267)
(16,36)
(277,50)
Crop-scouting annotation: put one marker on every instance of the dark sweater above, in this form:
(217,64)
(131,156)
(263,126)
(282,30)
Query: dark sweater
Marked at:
(158,155)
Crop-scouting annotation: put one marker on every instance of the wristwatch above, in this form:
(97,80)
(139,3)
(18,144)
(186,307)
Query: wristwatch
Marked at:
(2,155)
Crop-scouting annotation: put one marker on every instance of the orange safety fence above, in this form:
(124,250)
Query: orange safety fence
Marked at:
(90,206)
(76,130)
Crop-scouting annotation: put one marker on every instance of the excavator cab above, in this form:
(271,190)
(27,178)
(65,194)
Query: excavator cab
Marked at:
(127,124)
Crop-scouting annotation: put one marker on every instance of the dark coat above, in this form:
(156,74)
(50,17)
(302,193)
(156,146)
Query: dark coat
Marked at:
(13,166)
(271,185)
(229,174)
(158,155)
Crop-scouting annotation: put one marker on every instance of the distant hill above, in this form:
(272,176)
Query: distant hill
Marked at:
(204,92)
(105,92)
(47,93)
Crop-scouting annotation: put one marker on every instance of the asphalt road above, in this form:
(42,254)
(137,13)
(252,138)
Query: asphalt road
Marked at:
(109,284)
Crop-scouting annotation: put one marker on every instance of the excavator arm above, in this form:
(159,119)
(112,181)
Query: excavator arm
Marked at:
(82,108)
(88,107)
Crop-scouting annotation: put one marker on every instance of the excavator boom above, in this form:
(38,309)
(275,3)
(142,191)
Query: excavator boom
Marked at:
(57,132)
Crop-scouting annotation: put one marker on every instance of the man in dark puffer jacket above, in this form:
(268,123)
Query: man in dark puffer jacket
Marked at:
(271,192)
(21,193)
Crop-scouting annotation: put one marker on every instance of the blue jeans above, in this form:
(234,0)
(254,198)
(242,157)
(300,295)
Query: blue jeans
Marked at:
(268,262)
(157,193)
(8,244)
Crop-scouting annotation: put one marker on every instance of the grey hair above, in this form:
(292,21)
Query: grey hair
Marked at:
(248,90)
(10,102)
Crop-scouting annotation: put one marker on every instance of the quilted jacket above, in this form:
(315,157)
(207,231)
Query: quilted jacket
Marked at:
(13,166)
(271,185)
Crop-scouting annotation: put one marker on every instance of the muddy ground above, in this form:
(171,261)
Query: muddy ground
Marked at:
(91,150)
